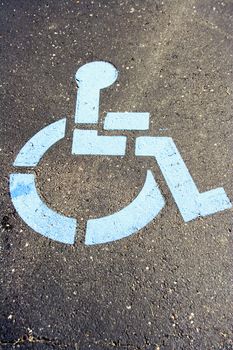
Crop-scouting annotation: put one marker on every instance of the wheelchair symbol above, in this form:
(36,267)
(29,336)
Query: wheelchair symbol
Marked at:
(91,78)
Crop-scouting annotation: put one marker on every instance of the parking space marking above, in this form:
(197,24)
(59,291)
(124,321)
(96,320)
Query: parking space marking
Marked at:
(91,78)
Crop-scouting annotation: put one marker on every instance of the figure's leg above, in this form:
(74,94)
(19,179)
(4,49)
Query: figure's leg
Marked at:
(88,142)
(190,202)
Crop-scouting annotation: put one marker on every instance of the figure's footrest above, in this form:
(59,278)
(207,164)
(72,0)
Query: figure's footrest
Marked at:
(87,142)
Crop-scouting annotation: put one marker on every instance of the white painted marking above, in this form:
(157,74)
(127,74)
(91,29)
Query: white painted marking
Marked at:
(91,78)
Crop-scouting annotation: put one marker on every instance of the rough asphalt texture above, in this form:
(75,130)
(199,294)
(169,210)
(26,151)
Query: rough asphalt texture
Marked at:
(168,287)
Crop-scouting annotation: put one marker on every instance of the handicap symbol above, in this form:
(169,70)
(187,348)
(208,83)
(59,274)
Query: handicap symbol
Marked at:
(91,78)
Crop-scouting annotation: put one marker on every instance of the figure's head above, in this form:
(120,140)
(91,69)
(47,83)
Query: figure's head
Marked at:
(99,74)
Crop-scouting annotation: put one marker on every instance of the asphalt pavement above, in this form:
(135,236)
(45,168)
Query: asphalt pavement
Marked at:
(169,286)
